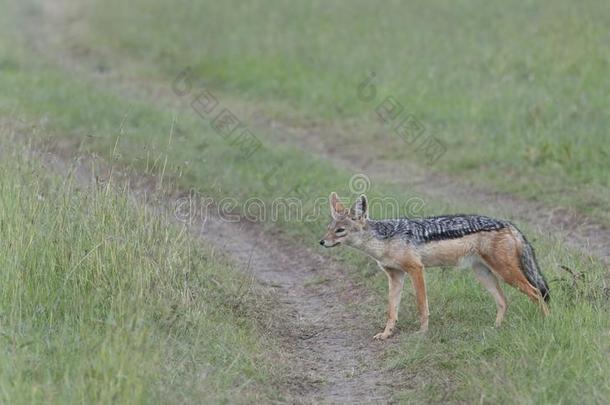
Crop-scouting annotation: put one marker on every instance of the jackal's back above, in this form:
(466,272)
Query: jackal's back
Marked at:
(430,229)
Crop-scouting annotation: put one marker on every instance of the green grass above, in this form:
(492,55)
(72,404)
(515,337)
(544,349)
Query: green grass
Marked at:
(105,302)
(517,91)
(531,360)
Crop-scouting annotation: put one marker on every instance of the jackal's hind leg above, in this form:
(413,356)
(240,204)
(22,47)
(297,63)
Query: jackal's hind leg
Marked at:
(507,266)
(490,282)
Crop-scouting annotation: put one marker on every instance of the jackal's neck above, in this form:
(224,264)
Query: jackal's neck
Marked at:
(367,242)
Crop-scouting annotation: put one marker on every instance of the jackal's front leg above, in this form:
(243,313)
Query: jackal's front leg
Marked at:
(395,283)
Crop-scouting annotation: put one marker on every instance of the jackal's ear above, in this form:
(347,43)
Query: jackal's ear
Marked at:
(336,208)
(360,209)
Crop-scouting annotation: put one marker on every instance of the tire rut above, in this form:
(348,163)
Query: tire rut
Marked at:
(329,342)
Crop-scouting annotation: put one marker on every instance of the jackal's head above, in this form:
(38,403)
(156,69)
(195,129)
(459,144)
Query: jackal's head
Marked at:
(345,225)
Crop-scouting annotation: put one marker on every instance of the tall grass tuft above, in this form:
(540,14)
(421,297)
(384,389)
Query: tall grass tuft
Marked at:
(105,301)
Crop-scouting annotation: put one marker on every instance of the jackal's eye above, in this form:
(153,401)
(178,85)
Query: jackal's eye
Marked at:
(339,230)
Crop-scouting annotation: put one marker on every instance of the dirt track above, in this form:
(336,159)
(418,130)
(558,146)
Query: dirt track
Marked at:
(325,340)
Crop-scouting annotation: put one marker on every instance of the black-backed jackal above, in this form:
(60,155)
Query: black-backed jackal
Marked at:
(495,249)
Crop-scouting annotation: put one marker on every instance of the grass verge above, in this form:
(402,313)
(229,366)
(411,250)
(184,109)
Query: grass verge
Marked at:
(102,301)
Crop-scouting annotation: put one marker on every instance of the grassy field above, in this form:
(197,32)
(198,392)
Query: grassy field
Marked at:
(531,360)
(517,92)
(105,302)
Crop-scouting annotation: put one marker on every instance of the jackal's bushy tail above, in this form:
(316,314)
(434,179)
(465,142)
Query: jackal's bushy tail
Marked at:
(529,266)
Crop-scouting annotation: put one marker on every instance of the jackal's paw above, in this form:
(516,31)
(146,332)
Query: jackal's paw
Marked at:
(421,332)
(382,336)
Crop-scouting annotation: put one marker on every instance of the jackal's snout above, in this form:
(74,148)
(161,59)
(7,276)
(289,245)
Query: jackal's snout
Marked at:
(329,243)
